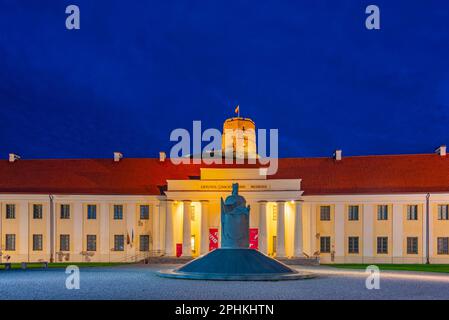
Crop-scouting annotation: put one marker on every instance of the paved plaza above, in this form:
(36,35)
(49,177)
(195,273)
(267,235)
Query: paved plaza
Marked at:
(141,282)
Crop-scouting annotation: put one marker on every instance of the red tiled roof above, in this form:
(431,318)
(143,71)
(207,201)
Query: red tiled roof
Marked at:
(351,175)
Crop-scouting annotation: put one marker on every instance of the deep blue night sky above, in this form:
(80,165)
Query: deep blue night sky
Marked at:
(138,69)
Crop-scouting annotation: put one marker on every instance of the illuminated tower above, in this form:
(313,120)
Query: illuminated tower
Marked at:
(239,138)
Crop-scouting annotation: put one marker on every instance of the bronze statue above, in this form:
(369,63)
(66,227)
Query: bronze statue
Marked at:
(234,220)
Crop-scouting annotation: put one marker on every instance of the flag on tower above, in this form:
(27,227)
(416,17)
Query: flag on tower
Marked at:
(237,110)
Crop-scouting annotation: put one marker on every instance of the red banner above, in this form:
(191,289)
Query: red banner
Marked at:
(254,238)
(213,239)
(179,249)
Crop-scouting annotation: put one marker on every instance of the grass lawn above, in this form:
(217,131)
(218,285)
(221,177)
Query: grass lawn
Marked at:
(65,264)
(442,268)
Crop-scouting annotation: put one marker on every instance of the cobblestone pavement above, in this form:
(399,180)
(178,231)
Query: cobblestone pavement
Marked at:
(140,282)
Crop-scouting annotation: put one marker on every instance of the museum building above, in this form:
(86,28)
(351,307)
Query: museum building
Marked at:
(355,209)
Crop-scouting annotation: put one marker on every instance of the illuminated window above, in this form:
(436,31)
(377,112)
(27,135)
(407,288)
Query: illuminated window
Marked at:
(412,212)
(37,211)
(382,212)
(118,212)
(325,213)
(443,212)
(353,213)
(353,244)
(275,213)
(192,243)
(412,245)
(382,245)
(325,244)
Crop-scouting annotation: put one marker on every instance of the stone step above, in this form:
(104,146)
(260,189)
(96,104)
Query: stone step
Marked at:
(289,261)
(169,260)
(303,261)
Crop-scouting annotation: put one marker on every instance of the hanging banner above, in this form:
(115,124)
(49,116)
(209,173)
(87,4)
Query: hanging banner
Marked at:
(179,249)
(254,238)
(213,239)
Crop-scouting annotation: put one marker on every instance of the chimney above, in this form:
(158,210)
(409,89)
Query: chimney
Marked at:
(117,156)
(337,155)
(162,156)
(441,150)
(13,157)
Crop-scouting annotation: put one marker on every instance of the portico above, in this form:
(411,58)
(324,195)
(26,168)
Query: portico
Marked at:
(194,208)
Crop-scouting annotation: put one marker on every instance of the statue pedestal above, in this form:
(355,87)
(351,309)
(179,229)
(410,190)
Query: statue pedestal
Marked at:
(237,265)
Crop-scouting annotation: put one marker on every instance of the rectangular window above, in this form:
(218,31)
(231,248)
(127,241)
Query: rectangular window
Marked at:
(325,213)
(443,212)
(118,212)
(353,213)
(10,242)
(119,242)
(65,211)
(325,244)
(353,244)
(144,212)
(64,242)
(443,245)
(275,213)
(192,243)
(412,245)
(37,211)
(382,245)
(91,211)
(10,211)
(382,212)
(412,212)
(274,240)
(91,242)
(144,243)
(37,242)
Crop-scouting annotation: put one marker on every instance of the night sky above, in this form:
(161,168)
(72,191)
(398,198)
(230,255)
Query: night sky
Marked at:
(138,69)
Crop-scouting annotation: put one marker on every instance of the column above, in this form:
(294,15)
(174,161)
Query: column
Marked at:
(103,239)
(298,231)
(397,231)
(155,227)
(162,224)
(186,229)
(169,245)
(204,245)
(339,224)
(76,209)
(280,236)
(131,228)
(368,236)
(263,227)
(23,213)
